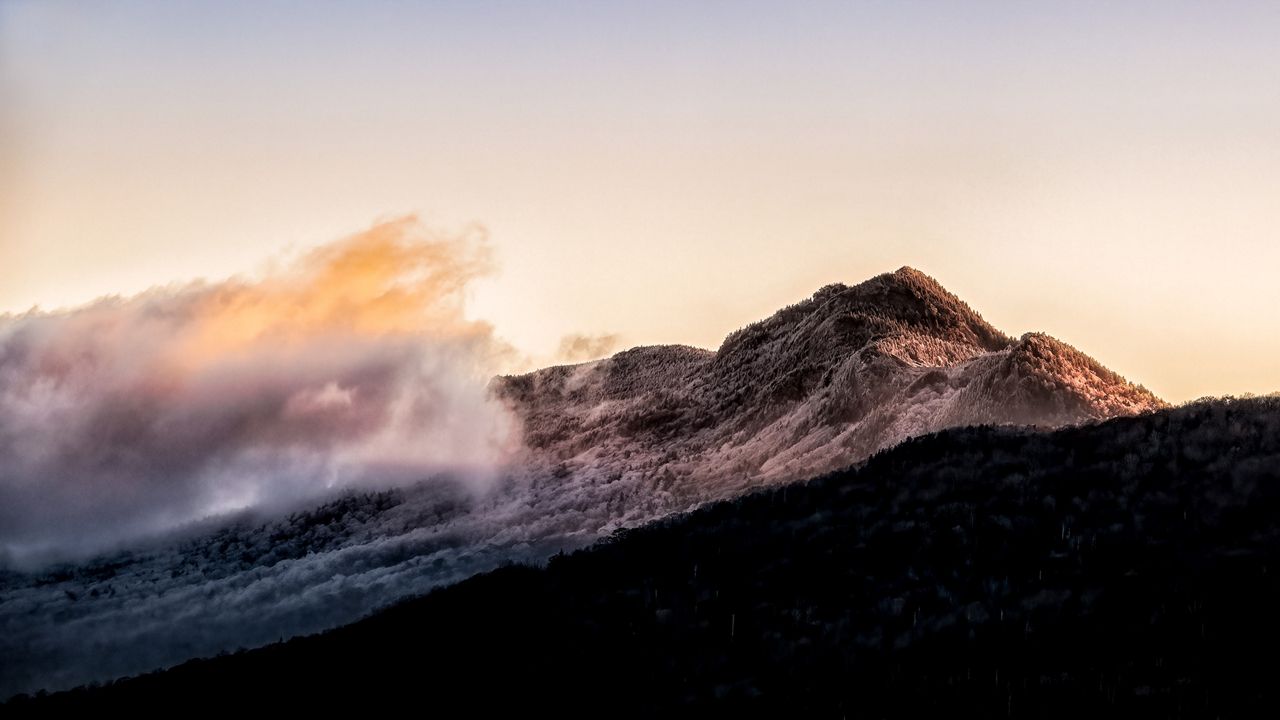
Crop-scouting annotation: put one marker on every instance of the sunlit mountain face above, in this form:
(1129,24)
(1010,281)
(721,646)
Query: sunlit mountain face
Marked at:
(297,451)
(820,384)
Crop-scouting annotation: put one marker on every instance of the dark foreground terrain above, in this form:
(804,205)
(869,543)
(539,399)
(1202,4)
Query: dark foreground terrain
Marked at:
(1130,568)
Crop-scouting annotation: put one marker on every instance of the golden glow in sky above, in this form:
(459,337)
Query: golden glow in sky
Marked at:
(375,283)
(1103,172)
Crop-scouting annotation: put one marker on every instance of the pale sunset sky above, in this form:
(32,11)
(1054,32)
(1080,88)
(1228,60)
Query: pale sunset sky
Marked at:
(1106,172)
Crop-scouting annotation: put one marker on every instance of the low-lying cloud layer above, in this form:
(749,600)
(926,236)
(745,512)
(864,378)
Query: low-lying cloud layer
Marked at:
(353,366)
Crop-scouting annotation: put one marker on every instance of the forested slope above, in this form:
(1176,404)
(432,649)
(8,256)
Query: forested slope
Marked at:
(1123,569)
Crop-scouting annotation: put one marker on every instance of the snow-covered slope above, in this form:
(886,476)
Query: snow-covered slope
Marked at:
(817,386)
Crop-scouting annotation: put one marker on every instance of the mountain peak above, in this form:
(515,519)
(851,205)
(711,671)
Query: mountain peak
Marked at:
(922,284)
(906,271)
(1062,371)
(817,385)
(905,304)
(906,282)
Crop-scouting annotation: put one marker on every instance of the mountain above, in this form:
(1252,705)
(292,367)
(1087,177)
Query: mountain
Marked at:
(819,385)
(617,443)
(1121,569)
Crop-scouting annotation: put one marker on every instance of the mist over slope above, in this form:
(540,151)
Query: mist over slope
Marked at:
(1124,569)
(614,443)
(353,366)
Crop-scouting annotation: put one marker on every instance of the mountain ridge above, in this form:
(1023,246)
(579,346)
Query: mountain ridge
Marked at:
(818,385)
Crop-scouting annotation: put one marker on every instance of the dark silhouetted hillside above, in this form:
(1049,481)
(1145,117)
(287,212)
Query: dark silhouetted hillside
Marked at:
(1125,569)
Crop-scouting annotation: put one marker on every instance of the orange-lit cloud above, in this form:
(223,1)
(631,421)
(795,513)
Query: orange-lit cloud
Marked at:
(394,279)
(353,365)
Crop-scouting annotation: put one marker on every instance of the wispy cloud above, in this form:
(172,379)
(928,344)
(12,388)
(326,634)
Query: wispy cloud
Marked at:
(353,365)
(580,348)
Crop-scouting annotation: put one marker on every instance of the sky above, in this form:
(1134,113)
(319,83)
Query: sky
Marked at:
(667,172)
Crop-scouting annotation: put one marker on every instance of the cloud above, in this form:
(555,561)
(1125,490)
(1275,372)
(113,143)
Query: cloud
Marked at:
(580,348)
(353,366)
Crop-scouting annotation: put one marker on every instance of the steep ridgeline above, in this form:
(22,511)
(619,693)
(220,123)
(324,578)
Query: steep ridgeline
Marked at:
(820,385)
